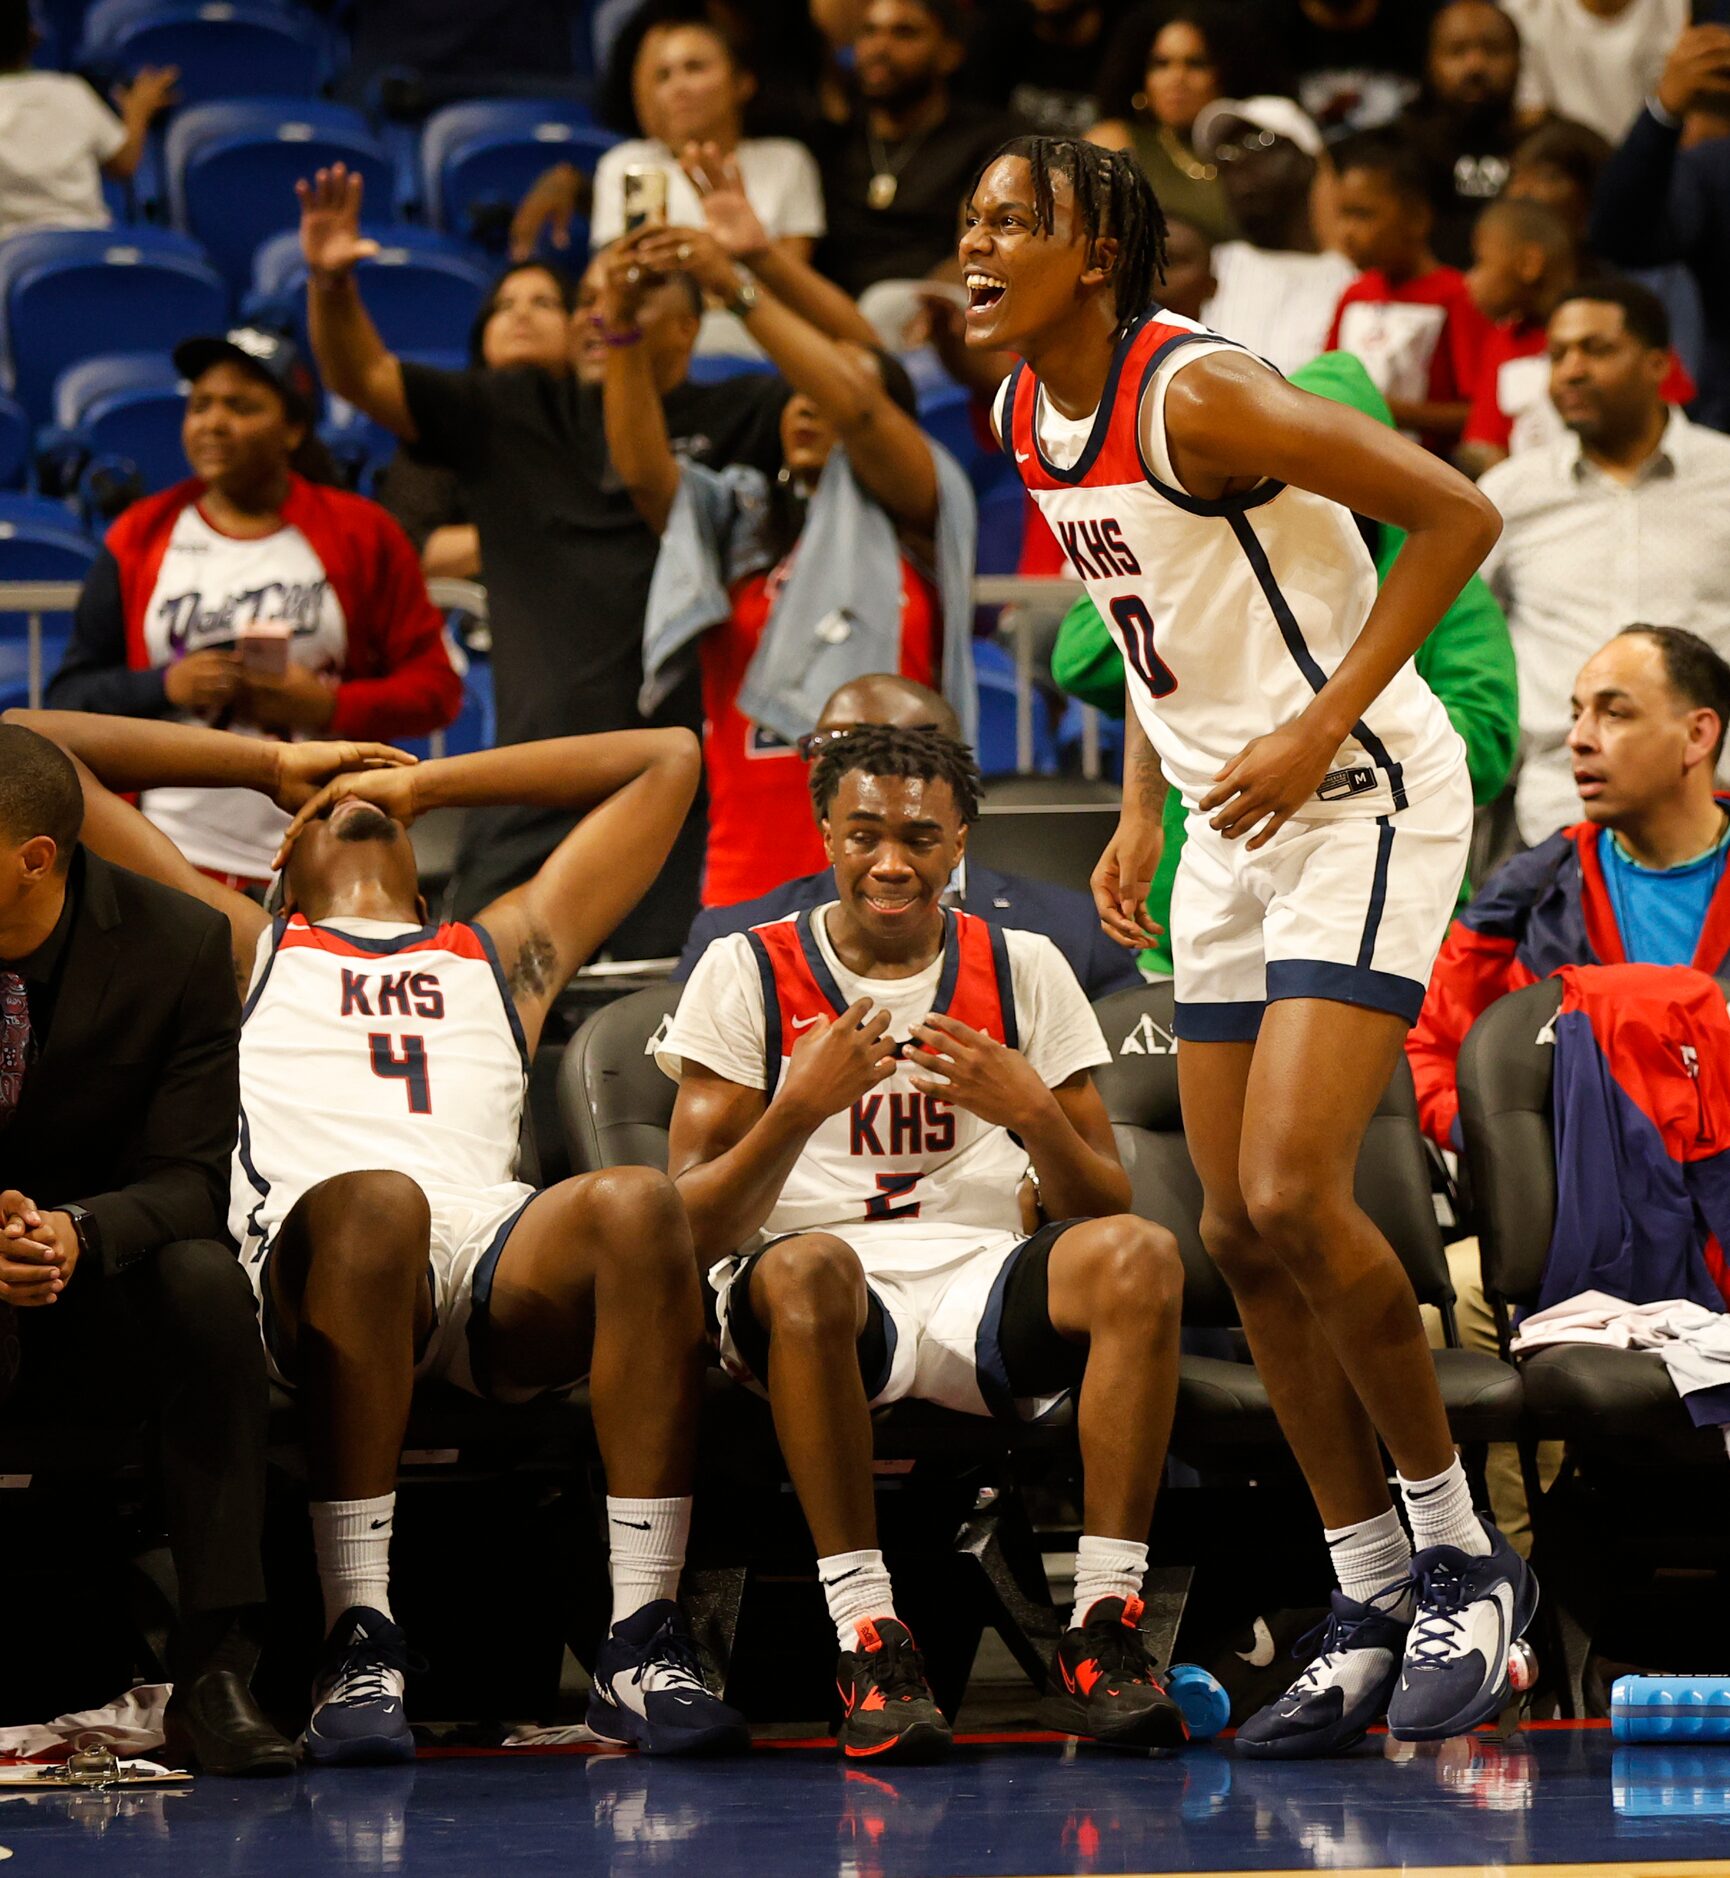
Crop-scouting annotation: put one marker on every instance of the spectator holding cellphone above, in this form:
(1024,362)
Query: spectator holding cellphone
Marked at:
(252,598)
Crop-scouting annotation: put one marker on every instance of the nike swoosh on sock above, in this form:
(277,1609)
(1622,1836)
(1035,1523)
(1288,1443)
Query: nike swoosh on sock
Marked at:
(378,1525)
(841,1578)
(636,1525)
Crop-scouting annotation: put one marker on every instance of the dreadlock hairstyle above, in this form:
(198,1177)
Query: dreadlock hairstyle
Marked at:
(888,750)
(1112,197)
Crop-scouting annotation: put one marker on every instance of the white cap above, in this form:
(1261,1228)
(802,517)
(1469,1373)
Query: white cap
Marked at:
(1279,117)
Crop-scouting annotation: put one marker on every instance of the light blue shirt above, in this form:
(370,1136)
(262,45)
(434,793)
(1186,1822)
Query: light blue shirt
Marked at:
(1660,910)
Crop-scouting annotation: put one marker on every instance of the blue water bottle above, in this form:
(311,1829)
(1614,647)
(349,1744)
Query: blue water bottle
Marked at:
(1670,1708)
(1206,1706)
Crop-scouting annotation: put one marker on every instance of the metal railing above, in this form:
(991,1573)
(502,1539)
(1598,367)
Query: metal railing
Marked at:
(1028,605)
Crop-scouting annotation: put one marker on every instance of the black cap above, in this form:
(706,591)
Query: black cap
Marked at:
(255,349)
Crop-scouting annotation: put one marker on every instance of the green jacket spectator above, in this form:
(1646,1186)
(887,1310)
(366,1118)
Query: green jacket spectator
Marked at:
(1468,661)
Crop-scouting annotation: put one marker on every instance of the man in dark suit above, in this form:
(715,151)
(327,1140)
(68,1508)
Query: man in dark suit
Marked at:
(1066,917)
(119,1095)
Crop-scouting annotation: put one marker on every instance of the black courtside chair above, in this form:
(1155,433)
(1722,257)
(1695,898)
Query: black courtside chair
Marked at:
(1222,1406)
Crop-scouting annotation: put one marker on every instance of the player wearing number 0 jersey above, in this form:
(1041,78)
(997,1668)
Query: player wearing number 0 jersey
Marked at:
(1208,506)
(865,1092)
(383,1062)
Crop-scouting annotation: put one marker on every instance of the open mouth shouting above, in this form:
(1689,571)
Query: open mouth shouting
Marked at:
(984,294)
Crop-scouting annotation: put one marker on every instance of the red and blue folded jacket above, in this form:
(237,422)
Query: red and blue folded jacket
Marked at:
(1640,1108)
(1544,909)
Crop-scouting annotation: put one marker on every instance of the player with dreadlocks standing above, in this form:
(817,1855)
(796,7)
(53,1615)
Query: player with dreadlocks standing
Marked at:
(1207,505)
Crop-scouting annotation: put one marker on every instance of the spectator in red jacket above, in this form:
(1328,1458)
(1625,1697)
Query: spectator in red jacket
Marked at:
(251,598)
(1640,880)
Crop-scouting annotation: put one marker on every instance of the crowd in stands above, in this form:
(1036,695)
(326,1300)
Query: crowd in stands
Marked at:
(696,411)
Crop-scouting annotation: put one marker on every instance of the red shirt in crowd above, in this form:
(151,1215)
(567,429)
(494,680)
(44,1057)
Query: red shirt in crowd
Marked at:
(1512,410)
(761,828)
(1421,341)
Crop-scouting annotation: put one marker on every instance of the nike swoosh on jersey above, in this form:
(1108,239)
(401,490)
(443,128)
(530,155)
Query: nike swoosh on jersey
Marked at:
(805,1023)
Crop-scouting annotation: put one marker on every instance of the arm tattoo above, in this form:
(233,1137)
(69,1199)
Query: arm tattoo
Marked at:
(531,973)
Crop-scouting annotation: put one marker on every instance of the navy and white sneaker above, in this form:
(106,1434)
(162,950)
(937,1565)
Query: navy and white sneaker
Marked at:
(1471,1611)
(357,1709)
(1344,1692)
(649,1691)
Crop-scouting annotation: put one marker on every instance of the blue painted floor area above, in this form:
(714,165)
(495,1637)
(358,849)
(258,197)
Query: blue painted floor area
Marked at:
(1002,1810)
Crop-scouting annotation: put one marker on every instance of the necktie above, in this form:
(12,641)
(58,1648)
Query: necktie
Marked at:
(14,1042)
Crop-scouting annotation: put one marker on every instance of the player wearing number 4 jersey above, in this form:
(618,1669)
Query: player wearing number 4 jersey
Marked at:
(1207,504)
(383,1066)
(864,1091)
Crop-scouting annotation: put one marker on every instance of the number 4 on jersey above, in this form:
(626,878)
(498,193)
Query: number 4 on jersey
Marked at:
(1136,624)
(410,1068)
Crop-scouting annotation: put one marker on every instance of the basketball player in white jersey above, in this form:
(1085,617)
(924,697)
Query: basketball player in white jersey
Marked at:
(1207,505)
(863,1092)
(383,1067)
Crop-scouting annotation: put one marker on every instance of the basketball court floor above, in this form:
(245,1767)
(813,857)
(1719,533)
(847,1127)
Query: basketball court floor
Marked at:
(1560,1798)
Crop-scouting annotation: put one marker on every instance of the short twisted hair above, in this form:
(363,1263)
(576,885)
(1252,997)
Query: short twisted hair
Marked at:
(888,750)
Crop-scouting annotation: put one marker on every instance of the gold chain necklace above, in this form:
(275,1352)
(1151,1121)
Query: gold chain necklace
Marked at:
(1192,167)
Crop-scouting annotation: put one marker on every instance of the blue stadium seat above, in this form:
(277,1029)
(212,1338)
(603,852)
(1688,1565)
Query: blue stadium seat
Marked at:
(98,26)
(124,408)
(63,298)
(39,540)
(715,368)
(223,48)
(995,668)
(16,436)
(946,414)
(478,159)
(423,289)
(232,168)
(1002,520)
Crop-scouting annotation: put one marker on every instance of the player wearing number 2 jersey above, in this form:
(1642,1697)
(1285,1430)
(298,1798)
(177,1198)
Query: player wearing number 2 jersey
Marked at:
(1207,505)
(863,1091)
(383,1065)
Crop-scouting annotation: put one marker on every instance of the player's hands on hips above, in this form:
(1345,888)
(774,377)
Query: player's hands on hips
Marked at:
(303,769)
(38,1252)
(1267,782)
(836,1061)
(976,1073)
(1121,881)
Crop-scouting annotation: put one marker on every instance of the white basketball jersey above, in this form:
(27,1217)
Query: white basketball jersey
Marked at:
(1230,614)
(373,1045)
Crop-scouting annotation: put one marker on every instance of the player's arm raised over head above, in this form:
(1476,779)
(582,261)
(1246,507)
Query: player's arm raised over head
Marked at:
(114,829)
(633,789)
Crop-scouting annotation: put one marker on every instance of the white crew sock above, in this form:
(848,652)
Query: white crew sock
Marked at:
(647,1540)
(351,1540)
(1369,1555)
(1441,1512)
(1106,1568)
(857,1586)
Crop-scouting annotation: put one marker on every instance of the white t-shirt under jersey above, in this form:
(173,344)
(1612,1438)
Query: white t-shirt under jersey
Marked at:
(55,135)
(720,1025)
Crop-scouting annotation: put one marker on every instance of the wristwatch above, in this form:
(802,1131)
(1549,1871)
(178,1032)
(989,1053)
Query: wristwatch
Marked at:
(744,298)
(86,1229)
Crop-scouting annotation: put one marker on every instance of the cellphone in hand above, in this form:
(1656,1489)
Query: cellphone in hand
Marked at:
(645,198)
(264,647)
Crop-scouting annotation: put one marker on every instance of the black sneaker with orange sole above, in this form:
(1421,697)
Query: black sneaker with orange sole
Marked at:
(888,1712)
(1105,1683)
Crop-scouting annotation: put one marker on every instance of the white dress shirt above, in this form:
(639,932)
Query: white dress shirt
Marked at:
(1595,68)
(1583,555)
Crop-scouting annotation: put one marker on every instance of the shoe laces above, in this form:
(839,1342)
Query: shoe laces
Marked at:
(1436,1626)
(895,1667)
(1336,1635)
(670,1656)
(371,1670)
(1120,1650)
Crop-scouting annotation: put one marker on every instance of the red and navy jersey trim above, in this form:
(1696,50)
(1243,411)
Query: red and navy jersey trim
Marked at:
(976,983)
